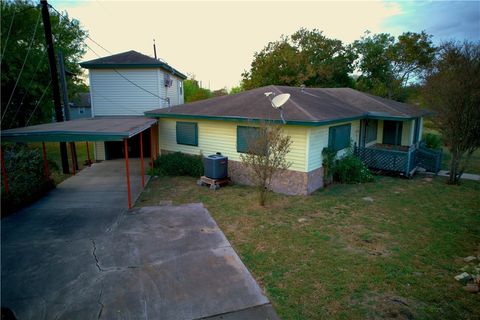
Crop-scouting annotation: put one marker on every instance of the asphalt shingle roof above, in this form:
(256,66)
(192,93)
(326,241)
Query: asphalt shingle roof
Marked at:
(130,59)
(309,105)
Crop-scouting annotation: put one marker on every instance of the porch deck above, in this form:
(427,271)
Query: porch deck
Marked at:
(400,159)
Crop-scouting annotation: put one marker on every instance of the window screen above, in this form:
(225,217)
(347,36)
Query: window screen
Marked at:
(339,137)
(371,131)
(187,133)
(244,134)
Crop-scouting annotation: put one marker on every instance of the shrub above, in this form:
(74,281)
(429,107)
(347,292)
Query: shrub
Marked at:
(179,164)
(350,169)
(432,141)
(26,177)
(328,164)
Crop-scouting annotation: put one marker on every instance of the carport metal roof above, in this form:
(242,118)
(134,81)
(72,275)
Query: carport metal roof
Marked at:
(92,129)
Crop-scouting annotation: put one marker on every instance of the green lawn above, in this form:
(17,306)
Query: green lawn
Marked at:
(53,155)
(334,255)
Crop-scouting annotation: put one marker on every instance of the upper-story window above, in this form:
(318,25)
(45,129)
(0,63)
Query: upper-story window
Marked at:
(180,86)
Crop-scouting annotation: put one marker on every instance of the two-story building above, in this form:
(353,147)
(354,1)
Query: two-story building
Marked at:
(129,84)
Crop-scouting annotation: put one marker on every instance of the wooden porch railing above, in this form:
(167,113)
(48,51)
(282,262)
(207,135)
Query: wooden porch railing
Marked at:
(403,162)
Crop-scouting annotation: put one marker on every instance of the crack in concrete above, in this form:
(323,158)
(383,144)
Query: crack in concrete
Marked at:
(95,256)
(100,302)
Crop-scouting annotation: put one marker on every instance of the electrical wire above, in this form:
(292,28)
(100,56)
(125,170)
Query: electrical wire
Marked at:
(8,35)
(28,88)
(23,66)
(38,102)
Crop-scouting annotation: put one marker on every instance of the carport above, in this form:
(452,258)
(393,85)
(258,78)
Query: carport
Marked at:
(84,130)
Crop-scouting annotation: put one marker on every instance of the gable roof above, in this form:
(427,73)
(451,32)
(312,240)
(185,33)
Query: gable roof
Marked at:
(130,59)
(307,106)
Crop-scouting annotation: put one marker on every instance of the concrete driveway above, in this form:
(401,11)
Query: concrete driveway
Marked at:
(78,253)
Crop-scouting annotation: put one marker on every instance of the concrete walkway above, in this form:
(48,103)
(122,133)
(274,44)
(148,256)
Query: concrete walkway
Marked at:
(466,176)
(79,254)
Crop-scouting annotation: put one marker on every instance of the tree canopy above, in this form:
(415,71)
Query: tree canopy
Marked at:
(307,57)
(377,63)
(193,92)
(452,91)
(26,95)
(386,65)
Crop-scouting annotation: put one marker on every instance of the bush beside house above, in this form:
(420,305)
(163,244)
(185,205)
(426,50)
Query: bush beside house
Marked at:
(26,177)
(179,164)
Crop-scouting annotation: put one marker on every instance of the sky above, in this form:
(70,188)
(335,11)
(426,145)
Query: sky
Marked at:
(215,41)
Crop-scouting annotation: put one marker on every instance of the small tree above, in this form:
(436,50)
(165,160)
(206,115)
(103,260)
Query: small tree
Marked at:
(268,147)
(452,91)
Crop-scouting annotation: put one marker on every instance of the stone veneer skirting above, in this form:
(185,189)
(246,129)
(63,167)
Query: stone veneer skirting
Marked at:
(289,182)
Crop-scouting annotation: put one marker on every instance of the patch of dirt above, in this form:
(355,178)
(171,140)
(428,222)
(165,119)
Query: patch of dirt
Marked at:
(389,306)
(360,240)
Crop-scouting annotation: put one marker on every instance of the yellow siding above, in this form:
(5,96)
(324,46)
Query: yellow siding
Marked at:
(380,132)
(221,136)
(99,150)
(407,133)
(318,140)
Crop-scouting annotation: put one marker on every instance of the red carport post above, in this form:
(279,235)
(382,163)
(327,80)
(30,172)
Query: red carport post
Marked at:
(156,142)
(151,148)
(125,143)
(142,164)
(4,174)
(73,157)
(88,154)
(45,161)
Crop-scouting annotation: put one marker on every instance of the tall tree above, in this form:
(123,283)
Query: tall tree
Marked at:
(193,92)
(307,57)
(26,96)
(387,65)
(452,91)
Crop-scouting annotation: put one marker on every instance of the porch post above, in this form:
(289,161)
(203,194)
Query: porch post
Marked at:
(141,160)
(4,174)
(72,153)
(45,161)
(125,143)
(396,134)
(156,142)
(151,148)
(88,154)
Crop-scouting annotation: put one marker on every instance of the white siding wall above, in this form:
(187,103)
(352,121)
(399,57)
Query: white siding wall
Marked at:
(318,140)
(111,94)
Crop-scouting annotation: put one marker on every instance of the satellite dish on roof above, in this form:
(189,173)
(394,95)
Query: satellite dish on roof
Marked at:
(279,101)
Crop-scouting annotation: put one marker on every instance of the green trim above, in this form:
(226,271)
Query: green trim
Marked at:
(133,66)
(58,137)
(289,122)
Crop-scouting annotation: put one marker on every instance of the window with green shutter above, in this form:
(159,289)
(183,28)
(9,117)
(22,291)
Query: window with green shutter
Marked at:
(371,130)
(244,135)
(339,137)
(187,133)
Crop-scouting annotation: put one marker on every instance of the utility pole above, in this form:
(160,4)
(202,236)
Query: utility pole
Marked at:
(54,77)
(66,108)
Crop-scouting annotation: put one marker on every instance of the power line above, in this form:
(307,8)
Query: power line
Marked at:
(23,66)
(114,69)
(28,88)
(38,102)
(8,35)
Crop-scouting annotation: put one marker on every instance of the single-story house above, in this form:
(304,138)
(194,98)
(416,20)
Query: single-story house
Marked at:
(315,118)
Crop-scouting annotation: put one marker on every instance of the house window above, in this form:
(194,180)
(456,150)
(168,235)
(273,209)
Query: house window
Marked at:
(180,86)
(187,133)
(371,131)
(245,136)
(339,137)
